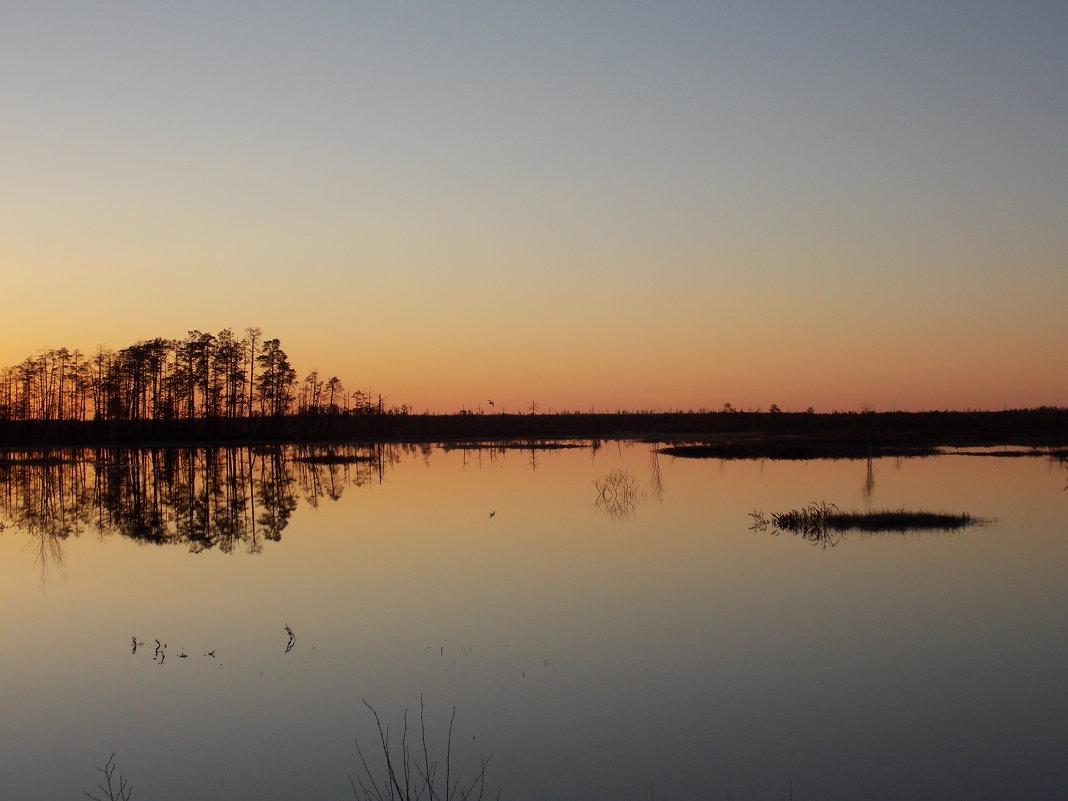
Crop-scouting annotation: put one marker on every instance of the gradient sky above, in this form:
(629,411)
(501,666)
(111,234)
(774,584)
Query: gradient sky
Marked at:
(583,204)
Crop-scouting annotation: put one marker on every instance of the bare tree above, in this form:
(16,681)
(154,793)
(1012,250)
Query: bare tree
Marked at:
(254,335)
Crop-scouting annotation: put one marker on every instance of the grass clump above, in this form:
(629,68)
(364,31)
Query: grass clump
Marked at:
(823,522)
(409,774)
(796,448)
(901,520)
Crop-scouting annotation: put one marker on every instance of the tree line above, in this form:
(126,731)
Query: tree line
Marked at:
(201,376)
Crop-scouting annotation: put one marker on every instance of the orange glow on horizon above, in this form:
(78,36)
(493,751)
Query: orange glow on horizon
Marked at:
(748,207)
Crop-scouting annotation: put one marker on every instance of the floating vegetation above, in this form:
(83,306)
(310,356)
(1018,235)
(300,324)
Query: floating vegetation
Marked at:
(334,458)
(824,522)
(1014,453)
(795,447)
(516,445)
(902,520)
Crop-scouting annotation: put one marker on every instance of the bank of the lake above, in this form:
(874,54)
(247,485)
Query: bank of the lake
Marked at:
(848,433)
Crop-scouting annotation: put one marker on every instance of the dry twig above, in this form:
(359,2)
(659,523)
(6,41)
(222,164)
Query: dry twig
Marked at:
(110,792)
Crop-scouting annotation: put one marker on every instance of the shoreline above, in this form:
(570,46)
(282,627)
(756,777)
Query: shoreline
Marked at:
(746,433)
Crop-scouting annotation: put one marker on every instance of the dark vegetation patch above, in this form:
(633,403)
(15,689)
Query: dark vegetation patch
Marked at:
(901,520)
(333,458)
(32,461)
(516,445)
(787,447)
(821,521)
(1016,453)
(1023,428)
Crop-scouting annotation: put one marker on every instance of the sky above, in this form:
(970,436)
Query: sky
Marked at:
(582,205)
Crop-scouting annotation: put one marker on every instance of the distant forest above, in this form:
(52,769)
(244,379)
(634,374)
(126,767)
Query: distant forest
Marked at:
(203,376)
(228,389)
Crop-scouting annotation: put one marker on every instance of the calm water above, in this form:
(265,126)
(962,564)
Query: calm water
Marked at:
(640,642)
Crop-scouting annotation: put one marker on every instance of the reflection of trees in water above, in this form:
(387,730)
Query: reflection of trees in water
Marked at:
(222,498)
(868,490)
(43,499)
(656,477)
(618,494)
(1061,457)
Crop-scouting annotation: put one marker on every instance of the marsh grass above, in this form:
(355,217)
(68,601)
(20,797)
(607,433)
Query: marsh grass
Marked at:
(409,773)
(824,522)
(516,445)
(1057,454)
(114,787)
(901,520)
(334,458)
(788,448)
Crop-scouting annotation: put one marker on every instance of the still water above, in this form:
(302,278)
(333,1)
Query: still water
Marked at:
(633,643)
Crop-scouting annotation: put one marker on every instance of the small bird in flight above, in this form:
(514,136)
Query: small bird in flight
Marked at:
(491,403)
(493,513)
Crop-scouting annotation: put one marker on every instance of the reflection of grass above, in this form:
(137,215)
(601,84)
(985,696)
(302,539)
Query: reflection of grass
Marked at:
(822,522)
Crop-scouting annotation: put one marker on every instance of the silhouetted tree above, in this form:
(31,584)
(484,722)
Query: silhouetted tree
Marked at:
(254,335)
(276,379)
(310,391)
(334,392)
(200,376)
(229,354)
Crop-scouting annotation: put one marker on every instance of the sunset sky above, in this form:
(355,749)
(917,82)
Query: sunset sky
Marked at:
(588,205)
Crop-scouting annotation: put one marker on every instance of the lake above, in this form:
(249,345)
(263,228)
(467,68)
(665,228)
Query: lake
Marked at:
(604,622)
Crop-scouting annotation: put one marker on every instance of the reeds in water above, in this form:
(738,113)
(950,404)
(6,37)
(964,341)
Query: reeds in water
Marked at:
(822,522)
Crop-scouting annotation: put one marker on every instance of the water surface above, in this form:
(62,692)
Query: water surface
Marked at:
(599,645)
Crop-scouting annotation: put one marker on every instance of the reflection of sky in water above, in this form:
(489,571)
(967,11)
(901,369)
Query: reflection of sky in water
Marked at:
(593,654)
